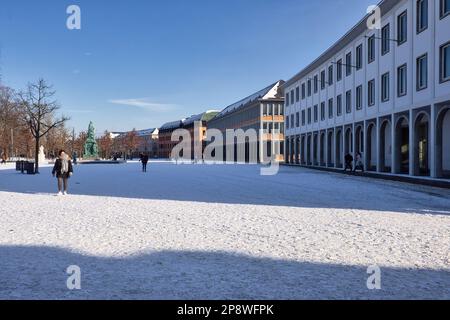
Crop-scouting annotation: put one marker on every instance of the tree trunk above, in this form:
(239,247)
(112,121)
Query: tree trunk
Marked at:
(36,156)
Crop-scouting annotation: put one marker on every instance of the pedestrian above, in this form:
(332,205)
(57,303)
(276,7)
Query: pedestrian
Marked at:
(144,160)
(348,162)
(63,170)
(4,158)
(359,163)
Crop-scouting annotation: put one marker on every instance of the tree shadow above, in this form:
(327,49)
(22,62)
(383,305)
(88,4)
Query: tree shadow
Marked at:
(238,184)
(40,273)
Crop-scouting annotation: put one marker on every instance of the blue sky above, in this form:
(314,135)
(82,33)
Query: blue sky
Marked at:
(140,63)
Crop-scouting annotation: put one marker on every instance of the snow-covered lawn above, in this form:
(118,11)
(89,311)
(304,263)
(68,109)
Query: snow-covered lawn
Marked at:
(221,232)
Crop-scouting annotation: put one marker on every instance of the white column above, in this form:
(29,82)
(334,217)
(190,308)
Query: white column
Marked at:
(412,144)
(393,145)
(433,124)
(378,146)
(354,144)
(325,153)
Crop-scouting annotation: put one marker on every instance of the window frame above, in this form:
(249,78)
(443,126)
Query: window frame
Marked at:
(443,14)
(419,73)
(339,105)
(399,79)
(388,39)
(441,63)
(359,97)
(330,108)
(388,89)
(348,64)
(371,49)
(399,17)
(348,102)
(339,73)
(359,57)
(371,94)
(419,28)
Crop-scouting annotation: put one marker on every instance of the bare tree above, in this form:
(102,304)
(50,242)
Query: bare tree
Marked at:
(40,112)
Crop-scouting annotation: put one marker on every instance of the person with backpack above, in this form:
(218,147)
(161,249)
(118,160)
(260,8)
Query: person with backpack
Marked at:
(359,163)
(348,162)
(63,170)
(144,160)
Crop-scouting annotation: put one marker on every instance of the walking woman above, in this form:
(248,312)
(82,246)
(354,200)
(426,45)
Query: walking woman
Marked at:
(63,170)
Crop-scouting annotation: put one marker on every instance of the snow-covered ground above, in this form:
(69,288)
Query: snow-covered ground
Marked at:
(221,232)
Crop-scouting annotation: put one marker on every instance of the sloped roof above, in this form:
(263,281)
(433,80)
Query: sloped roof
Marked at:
(171,125)
(205,116)
(270,92)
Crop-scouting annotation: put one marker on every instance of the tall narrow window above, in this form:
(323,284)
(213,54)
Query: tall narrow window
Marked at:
(422,15)
(445,62)
(348,64)
(316,113)
(371,49)
(309,88)
(316,84)
(402,28)
(303,91)
(422,72)
(330,75)
(322,111)
(330,108)
(385,39)
(339,105)
(303,118)
(297,94)
(287,99)
(287,124)
(339,70)
(371,93)
(402,80)
(359,53)
(292,97)
(309,115)
(348,101)
(445,8)
(322,80)
(359,95)
(297,119)
(385,87)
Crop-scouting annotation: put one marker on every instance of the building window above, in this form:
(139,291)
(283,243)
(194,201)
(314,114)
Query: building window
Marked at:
(445,8)
(322,111)
(359,52)
(297,119)
(322,80)
(339,70)
(385,87)
(402,81)
(359,90)
(371,93)
(303,91)
(309,88)
(303,118)
(339,105)
(316,113)
(445,62)
(330,108)
(287,99)
(297,94)
(371,49)
(348,64)
(292,97)
(385,39)
(422,72)
(309,115)
(276,111)
(330,75)
(292,120)
(270,109)
(316,84)
(402,28)
(422,15)
(348,101)
(287,122)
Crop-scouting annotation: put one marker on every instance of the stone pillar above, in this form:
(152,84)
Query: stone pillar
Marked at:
(378,146)
(394,159)
(433,141)
(412,144)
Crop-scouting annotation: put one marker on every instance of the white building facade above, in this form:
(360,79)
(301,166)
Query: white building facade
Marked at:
(383,93)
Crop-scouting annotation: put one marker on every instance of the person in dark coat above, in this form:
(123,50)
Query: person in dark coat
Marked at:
(144,160)
(63,170)
(348,162)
